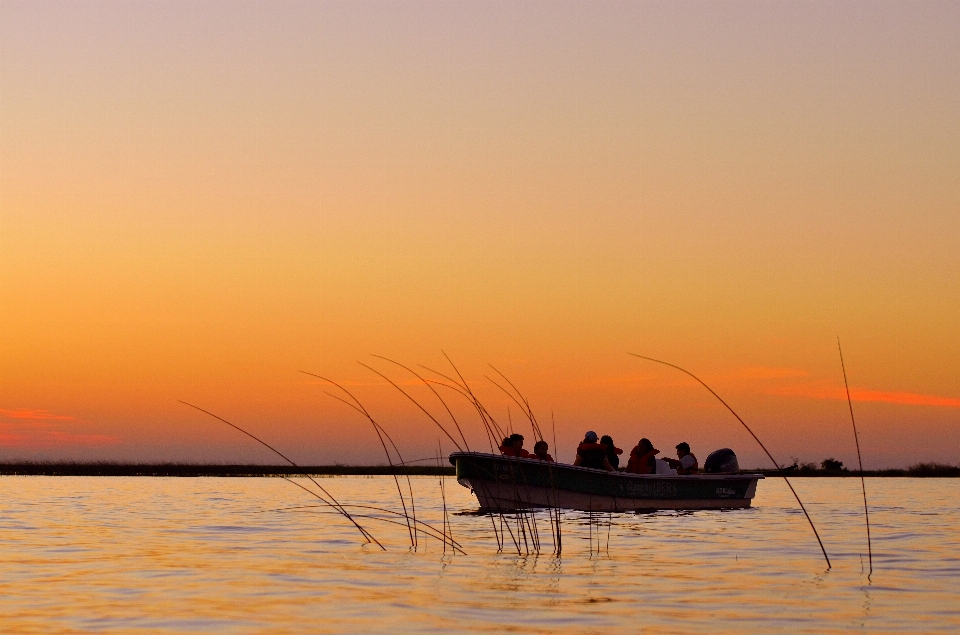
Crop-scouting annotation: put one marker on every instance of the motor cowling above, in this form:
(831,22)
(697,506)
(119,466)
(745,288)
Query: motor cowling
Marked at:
(722,461)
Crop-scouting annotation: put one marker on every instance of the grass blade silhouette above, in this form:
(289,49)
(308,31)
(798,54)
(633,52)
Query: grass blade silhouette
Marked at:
(380,434)
(434,391)
(759,442)
(856,437)
(336,505)
(525,406)
(414,401)
(417,524)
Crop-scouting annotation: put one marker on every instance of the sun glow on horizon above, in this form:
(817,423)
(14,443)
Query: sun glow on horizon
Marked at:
(197,200)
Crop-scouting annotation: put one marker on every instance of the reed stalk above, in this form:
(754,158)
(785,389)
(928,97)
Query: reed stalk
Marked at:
(456,548)
(490,425)
(433,390)
(856,438)
(414,401)
(424,528)
(447,529)
(490,435)
(357,406)
(463,382)
(759,442)
(494,434)
(332,502)
(556,499)
(525,405)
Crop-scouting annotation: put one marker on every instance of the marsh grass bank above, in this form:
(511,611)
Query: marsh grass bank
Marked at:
(920,470)
(108,468)
(98,468)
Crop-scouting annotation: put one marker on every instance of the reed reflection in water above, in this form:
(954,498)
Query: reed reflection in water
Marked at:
(245,555)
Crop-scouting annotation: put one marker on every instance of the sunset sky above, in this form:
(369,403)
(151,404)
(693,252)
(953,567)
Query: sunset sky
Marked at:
(200,199)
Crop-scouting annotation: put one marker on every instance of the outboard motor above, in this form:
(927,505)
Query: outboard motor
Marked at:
(722,461)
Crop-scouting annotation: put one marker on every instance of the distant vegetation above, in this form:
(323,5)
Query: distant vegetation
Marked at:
(103,468)
(827,467)
(933,469)
(833,467)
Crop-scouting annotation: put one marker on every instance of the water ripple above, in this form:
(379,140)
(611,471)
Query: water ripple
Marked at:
(142,555)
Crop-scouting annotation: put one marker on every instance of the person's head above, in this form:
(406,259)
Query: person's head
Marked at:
(507,442)
(590,437)
(516,440)
(540,447)
(683,449)
(607,440)
(645,445)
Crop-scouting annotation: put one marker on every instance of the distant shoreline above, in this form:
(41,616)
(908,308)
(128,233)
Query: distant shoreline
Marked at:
(217,470)
(199,469)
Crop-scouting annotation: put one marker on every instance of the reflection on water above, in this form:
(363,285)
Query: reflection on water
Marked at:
(204,555)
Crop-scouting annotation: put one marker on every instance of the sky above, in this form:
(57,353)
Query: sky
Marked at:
(199,200)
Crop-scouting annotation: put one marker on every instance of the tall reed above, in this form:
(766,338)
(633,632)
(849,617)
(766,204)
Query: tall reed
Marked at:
(332,502)
(447,530)
(522,402)
(445,406)
(755,438)
(381,433)
(856,438)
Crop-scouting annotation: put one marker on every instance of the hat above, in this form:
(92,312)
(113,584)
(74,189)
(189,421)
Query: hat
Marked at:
(590,436)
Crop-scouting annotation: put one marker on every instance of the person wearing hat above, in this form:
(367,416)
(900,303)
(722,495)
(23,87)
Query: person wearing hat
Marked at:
(592,454)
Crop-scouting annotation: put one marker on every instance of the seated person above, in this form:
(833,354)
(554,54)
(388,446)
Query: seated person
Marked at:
(687,463)
(540,452)
(613,451)
(643,458)
(592,454)
(513,446)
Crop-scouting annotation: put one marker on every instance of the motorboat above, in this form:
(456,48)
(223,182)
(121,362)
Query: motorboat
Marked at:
(505,483)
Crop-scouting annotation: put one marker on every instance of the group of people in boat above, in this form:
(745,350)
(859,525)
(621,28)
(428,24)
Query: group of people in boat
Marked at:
(601,453)
(513,446)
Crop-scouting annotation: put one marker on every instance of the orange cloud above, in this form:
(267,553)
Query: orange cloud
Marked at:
(54,438)
(865,395)
(908,398)
(29,413)
(24,427)
(768,372)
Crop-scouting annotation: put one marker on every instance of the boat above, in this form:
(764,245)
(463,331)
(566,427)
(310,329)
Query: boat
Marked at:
(503,483)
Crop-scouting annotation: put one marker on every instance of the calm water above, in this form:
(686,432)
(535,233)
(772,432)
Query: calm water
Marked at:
(204,555)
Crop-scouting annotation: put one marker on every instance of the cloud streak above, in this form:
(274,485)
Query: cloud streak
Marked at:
(32,414)
(33,428)
(866,395)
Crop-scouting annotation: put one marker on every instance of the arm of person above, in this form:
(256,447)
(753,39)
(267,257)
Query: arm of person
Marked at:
(687,465)
(578,460)
(607,466)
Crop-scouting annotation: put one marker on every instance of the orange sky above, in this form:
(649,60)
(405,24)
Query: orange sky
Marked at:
(197,200)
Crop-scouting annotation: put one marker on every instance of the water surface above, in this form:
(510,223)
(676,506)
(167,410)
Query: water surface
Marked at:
(243,555)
